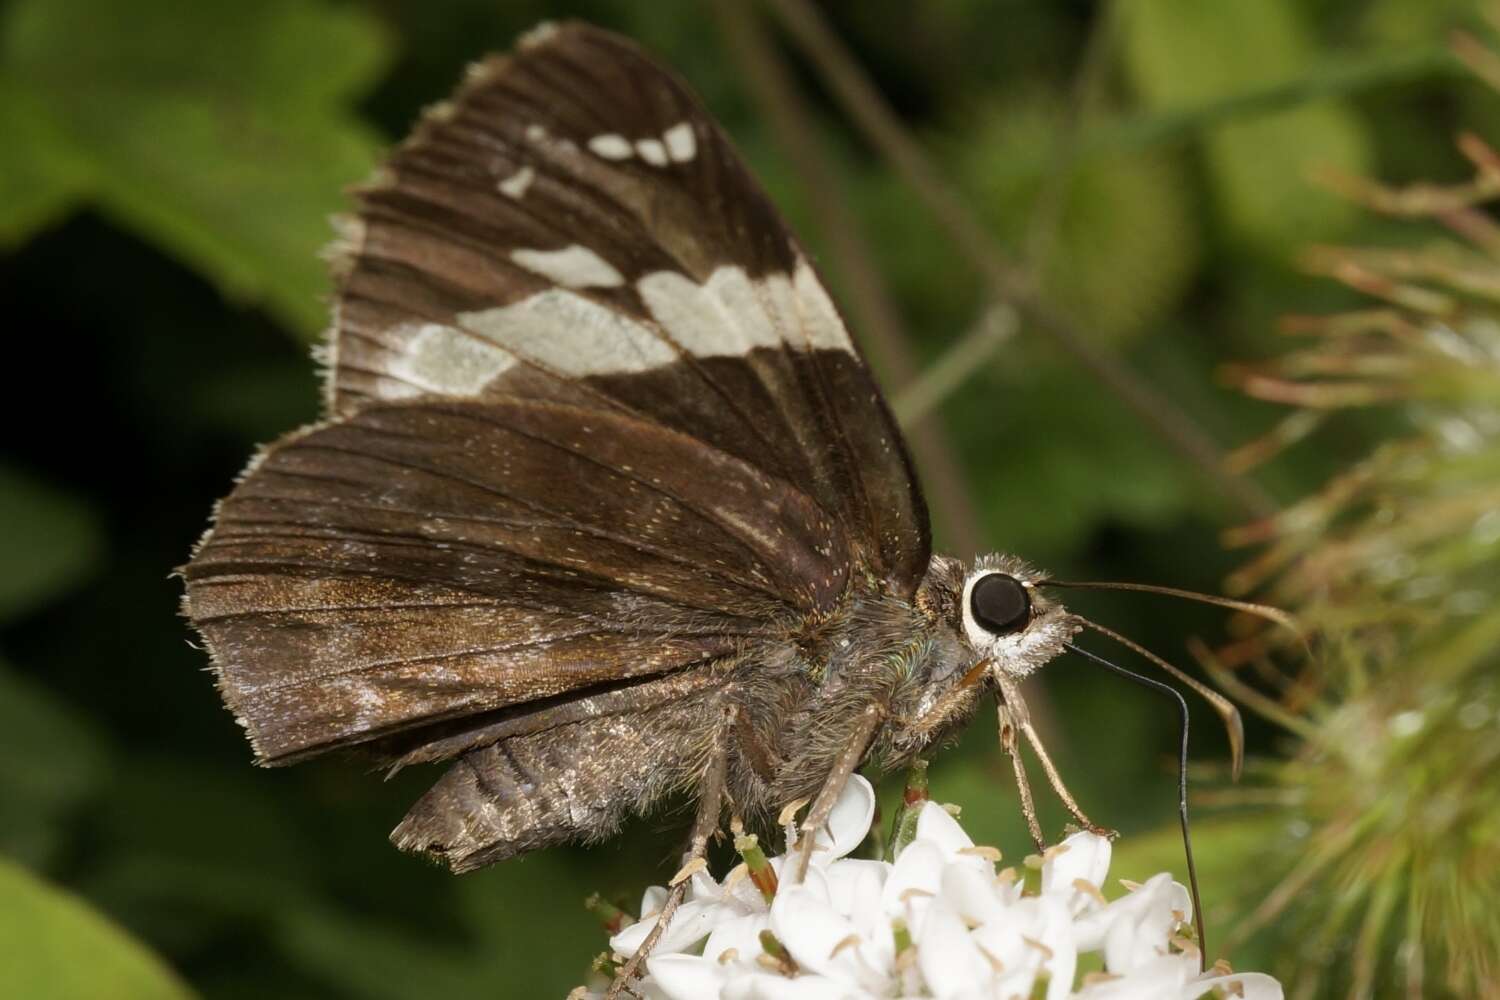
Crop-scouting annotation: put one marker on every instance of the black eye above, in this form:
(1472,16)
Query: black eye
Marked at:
(999,604)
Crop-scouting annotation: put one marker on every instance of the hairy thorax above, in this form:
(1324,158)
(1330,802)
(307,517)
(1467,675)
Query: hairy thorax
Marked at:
(795,705)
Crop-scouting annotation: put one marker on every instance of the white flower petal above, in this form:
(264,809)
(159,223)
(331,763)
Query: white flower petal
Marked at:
(1124,988)
(973,893)
(816,935)
(1004,941)
(919,867)
(1180,901)
(1082,856)
(1255,986)
(1158,894)
(1015,983)
(936,825)
(849,822)
(768,986)
(1140,924)
(914,881)
(742,934)
(855,888)
(652,900)
(950,961)
(687,977)
(816,879)
(689,925)
(1160,978)
(854,884)
(702,885)
(629,938)
(741,893)
(648,990)
(1061,956)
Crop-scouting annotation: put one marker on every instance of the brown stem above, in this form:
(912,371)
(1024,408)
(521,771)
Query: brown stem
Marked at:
(873,116)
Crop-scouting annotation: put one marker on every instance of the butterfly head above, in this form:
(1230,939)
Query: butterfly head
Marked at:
(1001,613)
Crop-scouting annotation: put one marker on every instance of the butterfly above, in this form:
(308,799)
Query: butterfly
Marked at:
(607,505)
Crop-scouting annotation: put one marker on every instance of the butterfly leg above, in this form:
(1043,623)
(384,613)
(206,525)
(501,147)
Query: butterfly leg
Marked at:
(1014,718)
(857,742)
(1006,712)
(1053,777)
(705,824)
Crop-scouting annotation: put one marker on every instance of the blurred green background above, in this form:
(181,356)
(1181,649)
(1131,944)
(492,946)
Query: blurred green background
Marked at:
(166,174)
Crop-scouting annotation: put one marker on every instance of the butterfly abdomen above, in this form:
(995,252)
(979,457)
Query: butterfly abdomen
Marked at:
(569,784)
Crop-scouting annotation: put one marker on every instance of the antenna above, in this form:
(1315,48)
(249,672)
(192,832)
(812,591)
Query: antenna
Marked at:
(1182,797)
(1234,727)
(1264,611)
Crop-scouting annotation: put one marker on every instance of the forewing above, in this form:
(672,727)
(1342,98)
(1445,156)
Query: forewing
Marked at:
(418,562)
(573,226)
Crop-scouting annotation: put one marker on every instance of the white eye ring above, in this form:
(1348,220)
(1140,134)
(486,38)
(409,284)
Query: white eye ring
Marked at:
(1009,616)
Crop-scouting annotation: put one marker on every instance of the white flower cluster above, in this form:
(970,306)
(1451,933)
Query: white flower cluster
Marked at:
(939,922)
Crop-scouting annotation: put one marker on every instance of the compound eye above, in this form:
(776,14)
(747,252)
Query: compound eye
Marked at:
(999,604)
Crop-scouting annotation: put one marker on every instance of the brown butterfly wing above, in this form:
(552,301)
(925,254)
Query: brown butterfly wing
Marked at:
(573,213)
(593,418)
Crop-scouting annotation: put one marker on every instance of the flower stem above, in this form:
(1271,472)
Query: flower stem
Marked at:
(611,916)
(761,872)
(904,826)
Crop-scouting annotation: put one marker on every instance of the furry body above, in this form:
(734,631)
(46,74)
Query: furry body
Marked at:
(606,503)
(781,713)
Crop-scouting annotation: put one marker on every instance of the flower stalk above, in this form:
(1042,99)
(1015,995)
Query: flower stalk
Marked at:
(761,872)
(913,797)
(610,916)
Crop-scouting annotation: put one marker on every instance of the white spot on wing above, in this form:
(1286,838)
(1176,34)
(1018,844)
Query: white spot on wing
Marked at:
(728,315)
(682,144)
(732,315)
(516,184)
(723,316)
(573,267)
(570,334)
(821,323)
(611,146)
(652,151)
(441,359)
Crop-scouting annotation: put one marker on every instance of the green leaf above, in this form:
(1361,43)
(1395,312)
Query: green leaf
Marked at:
(51,541)
(219,130)
(52,945)
(1188,54)
(39,182)
(50,759)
